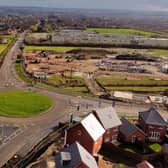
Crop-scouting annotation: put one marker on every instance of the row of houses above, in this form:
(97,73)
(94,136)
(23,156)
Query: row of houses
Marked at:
(76,156)
(104,126)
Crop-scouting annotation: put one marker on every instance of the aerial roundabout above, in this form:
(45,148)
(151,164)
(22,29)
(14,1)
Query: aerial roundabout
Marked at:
(23,103)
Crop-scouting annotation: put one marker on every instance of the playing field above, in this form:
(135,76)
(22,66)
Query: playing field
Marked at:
(121,31)
(23,104)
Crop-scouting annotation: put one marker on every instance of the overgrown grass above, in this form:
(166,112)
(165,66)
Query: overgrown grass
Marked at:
(23,104)
(121,31)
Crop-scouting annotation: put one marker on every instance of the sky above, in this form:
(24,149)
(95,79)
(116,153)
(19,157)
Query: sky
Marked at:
(149,5)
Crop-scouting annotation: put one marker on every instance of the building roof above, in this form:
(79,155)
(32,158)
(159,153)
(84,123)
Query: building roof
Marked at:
(128,128)
(152,116)
(93,127)
(108,117)
(74,155)
(144,164)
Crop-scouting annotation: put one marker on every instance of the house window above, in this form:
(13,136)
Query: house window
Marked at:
(114,137)
(154,135)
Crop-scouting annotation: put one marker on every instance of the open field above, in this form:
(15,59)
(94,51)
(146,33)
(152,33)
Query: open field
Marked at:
(159,52)
(10,38)
(122,31)
(121,84)
(23,104)
(137,89)
(118,81)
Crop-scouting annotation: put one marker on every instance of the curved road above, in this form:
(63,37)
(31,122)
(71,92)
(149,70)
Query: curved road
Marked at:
(36,127)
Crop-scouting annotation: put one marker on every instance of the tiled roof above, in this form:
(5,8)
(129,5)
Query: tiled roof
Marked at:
(152,116)
(93,127)
(74,155)
(108,117)
(128,128)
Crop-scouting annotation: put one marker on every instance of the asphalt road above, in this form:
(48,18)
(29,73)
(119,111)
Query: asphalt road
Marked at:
(63,105)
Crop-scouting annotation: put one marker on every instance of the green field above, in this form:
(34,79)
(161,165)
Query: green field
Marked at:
(137,89)
(49,48)
(159,52)
(10,38)
(121,31)
(118,81)
(23,104)
(121,84)
(2,48)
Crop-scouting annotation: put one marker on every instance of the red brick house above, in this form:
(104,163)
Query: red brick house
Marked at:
(75,156)
(130,133)
(88,132)
(144,164)
(110,122)
(153,124)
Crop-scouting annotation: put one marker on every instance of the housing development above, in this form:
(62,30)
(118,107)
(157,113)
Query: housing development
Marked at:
(83,88)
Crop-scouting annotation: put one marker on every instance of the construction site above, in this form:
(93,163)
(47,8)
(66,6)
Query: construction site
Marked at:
(97,70)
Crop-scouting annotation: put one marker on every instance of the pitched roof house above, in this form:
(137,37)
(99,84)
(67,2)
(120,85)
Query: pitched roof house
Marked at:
(110,122)
(144,164)
(130,133)
(88,132)
(75,156)
(153,124)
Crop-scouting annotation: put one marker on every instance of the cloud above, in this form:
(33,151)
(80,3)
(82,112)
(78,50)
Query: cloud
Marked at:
(157,5)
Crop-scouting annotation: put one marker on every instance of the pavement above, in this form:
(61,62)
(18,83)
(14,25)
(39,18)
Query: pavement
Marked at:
(36,127)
